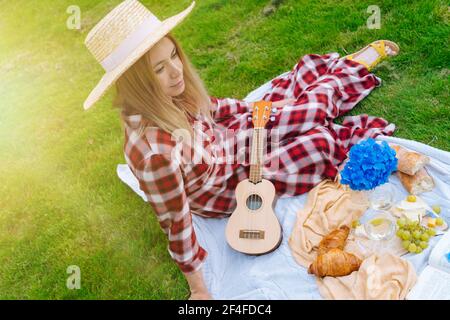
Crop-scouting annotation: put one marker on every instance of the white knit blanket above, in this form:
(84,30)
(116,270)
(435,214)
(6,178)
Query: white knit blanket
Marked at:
(233,275)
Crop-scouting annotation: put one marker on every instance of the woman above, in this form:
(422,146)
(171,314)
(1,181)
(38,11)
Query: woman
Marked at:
(165,107)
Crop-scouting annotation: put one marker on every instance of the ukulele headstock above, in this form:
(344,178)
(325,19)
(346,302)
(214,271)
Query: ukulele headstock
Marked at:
(261,113)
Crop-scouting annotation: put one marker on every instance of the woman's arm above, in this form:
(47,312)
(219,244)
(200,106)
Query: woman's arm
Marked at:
(226,107)
(161,179)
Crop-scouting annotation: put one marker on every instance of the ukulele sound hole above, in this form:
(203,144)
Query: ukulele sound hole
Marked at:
(254,202)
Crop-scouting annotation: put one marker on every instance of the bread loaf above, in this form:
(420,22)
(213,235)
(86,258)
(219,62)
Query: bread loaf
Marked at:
(409,162)
(418,183)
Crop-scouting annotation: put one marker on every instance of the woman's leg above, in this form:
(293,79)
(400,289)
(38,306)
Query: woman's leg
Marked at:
(312,66)
(341,88)
(328,86)
(307,70)
(304,161)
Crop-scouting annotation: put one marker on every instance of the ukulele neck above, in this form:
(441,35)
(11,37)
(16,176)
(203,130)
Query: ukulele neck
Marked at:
(260,116)
(256,155)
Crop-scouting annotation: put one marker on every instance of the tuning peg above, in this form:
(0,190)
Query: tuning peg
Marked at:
(272,118)
(249,118)
(274,109)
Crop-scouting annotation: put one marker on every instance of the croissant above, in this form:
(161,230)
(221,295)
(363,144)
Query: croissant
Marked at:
(335,239)
(334,263)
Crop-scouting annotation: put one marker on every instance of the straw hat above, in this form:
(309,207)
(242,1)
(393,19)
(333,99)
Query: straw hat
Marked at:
(122,37)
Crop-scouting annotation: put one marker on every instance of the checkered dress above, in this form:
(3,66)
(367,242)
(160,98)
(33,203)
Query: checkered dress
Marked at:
(303,147)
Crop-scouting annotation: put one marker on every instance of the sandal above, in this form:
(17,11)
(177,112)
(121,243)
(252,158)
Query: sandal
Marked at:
(379,46)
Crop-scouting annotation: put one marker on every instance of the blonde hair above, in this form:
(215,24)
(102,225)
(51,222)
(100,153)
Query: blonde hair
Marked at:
(138,92)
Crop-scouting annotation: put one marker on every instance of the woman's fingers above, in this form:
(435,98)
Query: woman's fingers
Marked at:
(284,102)
(278,104)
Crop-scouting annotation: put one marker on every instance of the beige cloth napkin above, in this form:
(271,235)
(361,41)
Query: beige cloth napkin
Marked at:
(330,205)
(380,277)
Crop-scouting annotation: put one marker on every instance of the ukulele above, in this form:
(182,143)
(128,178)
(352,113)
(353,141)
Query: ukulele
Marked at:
(253,227)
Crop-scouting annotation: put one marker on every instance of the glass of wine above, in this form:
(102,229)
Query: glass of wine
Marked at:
(382,197)
(380,225)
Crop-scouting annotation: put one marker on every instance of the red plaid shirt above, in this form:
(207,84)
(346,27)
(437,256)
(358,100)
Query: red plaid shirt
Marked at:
(179,180)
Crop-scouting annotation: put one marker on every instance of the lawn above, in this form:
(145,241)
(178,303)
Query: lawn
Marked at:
(61,203)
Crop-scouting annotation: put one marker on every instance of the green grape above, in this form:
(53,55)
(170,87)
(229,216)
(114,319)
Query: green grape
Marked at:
(431,232)
(412,248)
(417,234)
(436,208)
(399,233)
(423,244)
(410,223)
(405,244)
(406,235)
(401,222)
(425,237)
(439,221)
(419,250)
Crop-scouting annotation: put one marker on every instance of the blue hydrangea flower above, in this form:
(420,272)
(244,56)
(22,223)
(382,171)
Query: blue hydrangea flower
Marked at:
(370,164)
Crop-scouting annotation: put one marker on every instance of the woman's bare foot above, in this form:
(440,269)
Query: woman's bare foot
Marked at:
(369,56)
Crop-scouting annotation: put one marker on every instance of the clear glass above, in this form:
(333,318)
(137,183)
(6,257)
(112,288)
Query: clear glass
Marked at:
(382,197)
(380,225)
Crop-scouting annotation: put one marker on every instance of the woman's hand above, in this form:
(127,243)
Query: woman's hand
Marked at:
(200,295)
(197,286)
(280,103)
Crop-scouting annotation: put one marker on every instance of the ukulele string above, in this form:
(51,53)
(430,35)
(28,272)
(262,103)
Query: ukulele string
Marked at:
(251,180)
(253,200)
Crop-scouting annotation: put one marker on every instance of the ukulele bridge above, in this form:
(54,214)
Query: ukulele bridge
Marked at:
(251,234)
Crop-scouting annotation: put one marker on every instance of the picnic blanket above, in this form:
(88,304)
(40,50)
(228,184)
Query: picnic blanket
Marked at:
(232,275)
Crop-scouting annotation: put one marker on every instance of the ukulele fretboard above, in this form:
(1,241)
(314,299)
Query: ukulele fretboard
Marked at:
(256,155)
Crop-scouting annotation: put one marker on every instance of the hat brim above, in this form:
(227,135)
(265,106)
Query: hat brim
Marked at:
(109,78)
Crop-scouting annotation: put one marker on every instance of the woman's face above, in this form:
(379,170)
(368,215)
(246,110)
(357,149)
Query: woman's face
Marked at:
(168,67)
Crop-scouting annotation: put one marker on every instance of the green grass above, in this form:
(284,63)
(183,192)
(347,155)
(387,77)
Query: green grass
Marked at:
(61,202)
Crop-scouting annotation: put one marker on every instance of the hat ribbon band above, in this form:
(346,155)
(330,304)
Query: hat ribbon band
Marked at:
(131,42)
